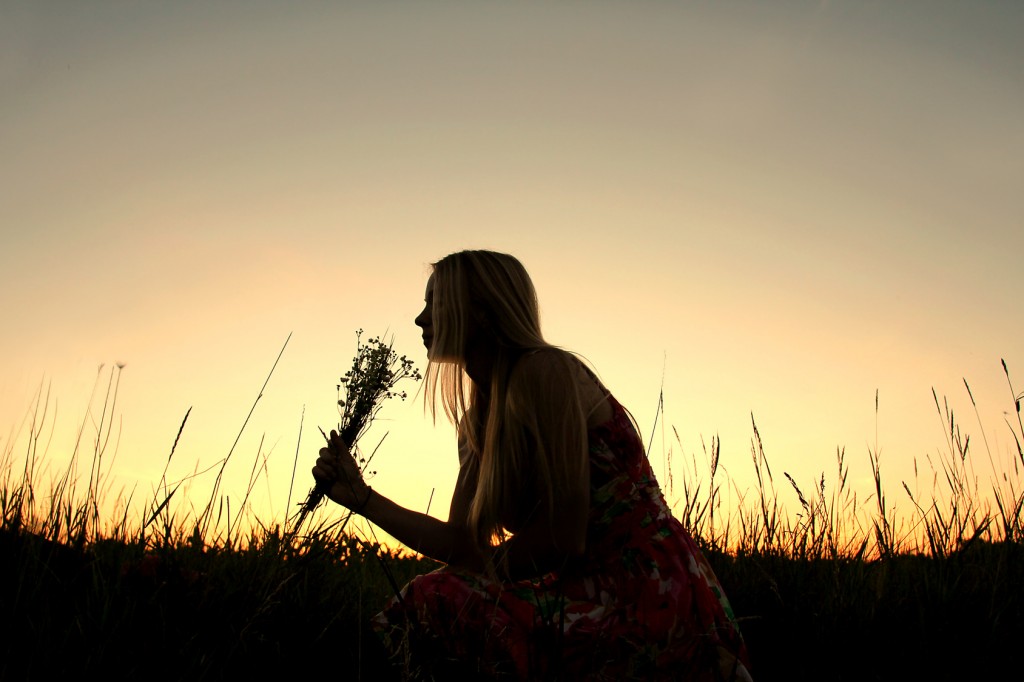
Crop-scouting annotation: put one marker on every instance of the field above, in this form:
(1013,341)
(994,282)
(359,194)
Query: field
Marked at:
(838,588)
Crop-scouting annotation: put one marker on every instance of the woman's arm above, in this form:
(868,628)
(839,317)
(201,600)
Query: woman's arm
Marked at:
(444,541)
(449,542)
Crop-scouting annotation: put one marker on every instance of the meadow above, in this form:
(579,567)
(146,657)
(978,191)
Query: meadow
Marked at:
(837,586)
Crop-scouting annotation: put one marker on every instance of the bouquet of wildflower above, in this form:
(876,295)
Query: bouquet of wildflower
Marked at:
(376,370)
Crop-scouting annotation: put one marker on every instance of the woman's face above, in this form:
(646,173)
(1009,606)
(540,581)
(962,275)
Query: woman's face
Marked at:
(476,334)
(425,319)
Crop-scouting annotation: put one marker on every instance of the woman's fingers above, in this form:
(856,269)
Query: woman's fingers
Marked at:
(336,444)
(335,461)
(343,458)
(337,468)
(325,468)
(324,473)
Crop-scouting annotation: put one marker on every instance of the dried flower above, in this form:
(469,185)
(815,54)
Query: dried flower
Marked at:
(376,370)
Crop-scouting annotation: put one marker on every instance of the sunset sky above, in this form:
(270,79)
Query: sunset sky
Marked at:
(770,209)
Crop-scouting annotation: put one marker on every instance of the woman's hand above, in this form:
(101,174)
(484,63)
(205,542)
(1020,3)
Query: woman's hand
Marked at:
(337,472)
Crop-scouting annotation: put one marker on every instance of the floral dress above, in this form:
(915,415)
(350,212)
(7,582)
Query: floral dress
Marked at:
(642,603)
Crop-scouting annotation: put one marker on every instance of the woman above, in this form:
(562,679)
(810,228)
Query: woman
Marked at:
(563,560)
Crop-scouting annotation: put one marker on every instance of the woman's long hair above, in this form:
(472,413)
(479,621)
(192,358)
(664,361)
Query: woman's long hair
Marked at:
(491,294)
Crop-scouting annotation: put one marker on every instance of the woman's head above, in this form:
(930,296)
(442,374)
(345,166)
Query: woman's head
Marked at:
(479,297)
(481,316)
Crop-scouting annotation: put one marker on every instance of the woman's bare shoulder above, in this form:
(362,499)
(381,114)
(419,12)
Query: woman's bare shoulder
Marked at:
(555,372)
(545,369)
(543,360)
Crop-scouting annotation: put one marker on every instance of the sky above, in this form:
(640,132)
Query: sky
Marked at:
(759,212)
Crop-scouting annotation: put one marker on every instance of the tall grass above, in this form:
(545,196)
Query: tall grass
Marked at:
(825,579)
(830,521)
(840,586)
(180,589)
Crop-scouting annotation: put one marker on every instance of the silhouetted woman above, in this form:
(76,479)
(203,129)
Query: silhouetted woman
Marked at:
(563,560)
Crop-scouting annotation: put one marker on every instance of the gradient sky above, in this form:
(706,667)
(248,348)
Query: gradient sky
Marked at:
(769,208)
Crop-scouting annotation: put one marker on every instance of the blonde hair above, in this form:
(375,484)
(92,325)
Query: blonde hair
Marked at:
(527,448)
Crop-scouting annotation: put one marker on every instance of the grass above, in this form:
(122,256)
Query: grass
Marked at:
(839,588)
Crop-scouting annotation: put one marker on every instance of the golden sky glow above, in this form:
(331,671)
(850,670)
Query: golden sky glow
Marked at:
(778,207)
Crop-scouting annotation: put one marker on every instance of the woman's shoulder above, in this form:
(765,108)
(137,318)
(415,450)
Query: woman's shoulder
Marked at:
(544,358)
(556,374)
(545,366)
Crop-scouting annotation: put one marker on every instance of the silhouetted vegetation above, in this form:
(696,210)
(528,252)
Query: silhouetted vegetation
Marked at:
(839,589)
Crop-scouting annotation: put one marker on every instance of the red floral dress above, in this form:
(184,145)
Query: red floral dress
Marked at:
(642,604)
